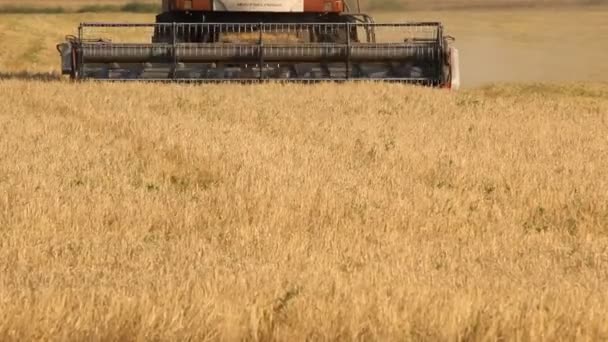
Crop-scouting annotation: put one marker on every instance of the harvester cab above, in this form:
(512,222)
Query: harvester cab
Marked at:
(262,40)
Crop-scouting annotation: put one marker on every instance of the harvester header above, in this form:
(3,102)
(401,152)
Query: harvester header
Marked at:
(262,40)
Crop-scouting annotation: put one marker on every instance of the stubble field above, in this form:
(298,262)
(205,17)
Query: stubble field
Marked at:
(325,212)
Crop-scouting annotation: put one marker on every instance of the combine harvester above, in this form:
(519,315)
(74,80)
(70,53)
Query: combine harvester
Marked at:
(259,41)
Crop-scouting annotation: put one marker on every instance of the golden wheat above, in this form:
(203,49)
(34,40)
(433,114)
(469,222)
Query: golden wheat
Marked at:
(326,212)
(355,212)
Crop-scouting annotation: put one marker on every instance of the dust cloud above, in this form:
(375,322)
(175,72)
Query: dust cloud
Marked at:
(491,60)
(525,45)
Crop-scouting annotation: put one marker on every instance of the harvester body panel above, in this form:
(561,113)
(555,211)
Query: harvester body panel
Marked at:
(278,6)
(259,6)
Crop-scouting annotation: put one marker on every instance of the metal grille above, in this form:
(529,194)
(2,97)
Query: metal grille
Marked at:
(251,52)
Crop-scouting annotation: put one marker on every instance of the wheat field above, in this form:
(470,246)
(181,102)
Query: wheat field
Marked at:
(361,212)
(356,212)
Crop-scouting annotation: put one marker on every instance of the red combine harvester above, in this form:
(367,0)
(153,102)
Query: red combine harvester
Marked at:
(262,40)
